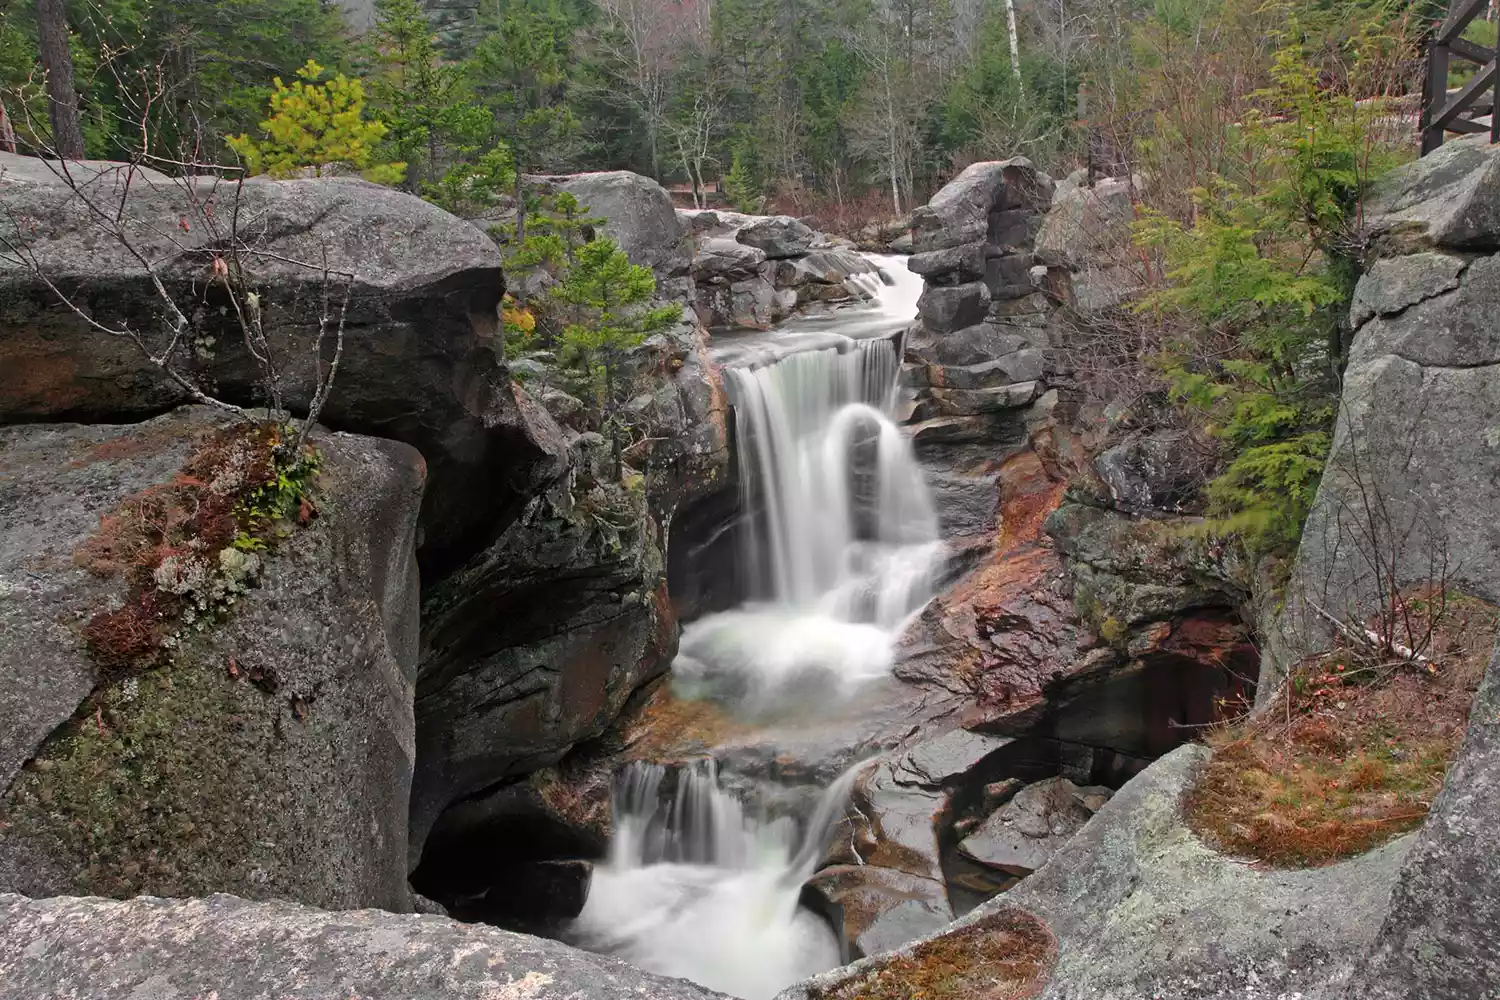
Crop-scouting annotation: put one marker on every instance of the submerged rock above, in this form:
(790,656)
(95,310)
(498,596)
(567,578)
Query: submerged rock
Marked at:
(228,947)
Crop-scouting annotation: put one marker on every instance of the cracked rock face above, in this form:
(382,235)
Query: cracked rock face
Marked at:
(537,643)
(419,364)
(273,757)
(1419,425)
(1020,836)
(1446,199)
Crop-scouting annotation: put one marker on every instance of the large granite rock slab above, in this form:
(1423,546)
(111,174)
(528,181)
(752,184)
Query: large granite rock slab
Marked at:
(273,757)
(638,215)
(1410,484)
(227,947)
(421,361)
(777,235)
(1438,938)
(1449,198)
(1141,908)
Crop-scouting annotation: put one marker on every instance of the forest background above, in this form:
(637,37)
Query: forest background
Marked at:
(848,110)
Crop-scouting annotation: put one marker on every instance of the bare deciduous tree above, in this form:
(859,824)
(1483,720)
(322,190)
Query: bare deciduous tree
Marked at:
(646,40)
(187,225)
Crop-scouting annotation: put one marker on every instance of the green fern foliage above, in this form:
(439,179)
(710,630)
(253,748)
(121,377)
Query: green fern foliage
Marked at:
(1267,264)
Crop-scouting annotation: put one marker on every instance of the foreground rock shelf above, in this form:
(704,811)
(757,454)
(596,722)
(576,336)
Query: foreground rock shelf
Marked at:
(229,947)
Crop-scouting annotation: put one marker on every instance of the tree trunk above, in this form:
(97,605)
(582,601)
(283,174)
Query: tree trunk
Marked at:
(1015,41)
(7,133)
(892,152)
(52,41)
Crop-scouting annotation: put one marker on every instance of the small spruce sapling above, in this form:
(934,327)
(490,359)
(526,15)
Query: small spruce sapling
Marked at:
(607,301)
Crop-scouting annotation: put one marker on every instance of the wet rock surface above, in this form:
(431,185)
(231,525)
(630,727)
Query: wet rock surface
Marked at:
(750,272)
(575,618)
(1139,907)
(1024,833)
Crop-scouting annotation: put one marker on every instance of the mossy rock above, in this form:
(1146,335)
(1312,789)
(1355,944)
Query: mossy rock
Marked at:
(270,755)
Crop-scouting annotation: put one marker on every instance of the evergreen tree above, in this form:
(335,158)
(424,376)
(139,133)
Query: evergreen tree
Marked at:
(317,125)
(429,112)
(607,301)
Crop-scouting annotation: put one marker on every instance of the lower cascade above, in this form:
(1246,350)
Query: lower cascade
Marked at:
(698,887)
(839,551)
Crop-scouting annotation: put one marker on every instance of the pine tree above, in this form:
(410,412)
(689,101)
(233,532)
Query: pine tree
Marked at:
(317,125)
(607,301)
(431,117)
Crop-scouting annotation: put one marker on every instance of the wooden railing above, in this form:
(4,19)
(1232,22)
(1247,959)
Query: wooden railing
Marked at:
(1444,112)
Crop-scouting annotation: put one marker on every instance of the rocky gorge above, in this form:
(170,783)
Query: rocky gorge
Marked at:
(430,696)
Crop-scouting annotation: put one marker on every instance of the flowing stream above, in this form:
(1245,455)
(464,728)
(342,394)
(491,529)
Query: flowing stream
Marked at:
(841,538)
(840,551)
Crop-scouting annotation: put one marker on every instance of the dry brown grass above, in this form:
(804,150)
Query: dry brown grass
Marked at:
(1352,752)
(1004,957)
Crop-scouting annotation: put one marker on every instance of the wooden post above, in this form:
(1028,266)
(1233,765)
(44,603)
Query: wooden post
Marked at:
(1495,106)
(1435,93)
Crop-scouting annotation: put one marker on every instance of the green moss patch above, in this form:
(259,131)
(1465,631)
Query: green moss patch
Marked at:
(149,788)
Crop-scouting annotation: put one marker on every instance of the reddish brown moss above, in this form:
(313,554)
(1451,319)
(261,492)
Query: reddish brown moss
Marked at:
(1006,956)
(217,500)
(1352,753)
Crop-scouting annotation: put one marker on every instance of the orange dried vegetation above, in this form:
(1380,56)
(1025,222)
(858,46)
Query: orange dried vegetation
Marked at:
(189,519)
(1353,751)
(1006,956)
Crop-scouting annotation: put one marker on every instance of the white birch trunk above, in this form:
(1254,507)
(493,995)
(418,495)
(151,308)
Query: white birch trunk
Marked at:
(1015,41)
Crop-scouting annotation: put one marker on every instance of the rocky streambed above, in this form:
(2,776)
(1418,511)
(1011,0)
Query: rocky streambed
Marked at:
(884,652)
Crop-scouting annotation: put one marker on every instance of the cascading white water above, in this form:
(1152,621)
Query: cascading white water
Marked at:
(841,554)
(844,541)
(700,889)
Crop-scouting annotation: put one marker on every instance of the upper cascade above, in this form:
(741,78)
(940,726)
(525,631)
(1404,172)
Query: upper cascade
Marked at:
(841,538)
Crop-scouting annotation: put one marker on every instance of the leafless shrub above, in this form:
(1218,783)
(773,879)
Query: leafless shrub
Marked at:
(184,220)
(1379,556)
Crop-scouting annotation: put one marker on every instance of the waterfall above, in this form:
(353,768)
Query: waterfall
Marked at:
(840,552)
(698,887)
(841,538)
